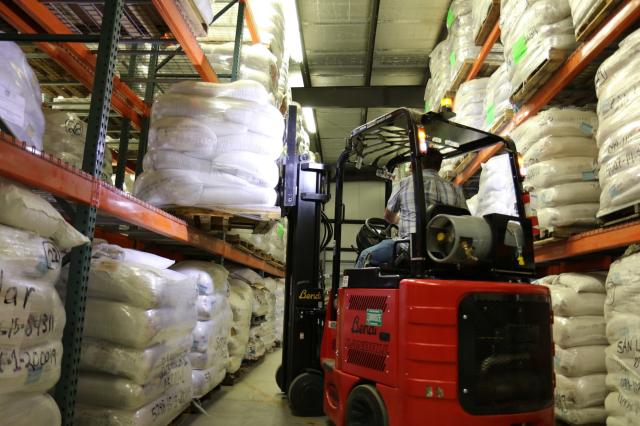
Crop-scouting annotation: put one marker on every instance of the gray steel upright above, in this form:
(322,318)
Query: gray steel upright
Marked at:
(148,99)
(123,147)
(237,48)
(85,219)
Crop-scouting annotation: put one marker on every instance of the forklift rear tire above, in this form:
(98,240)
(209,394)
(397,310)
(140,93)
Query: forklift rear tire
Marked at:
(280,378)
(305,395)
(365,407)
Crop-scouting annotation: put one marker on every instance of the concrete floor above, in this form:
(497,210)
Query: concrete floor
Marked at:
(255,400)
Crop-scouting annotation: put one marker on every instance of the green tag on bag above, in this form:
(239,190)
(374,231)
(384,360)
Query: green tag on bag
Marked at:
(491,114)
(280,230)
(452,58)
(450,18)
(519,50)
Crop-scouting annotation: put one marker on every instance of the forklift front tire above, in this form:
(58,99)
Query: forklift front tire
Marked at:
(305,395)
(365,407)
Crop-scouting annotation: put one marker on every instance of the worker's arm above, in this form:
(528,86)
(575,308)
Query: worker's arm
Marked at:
(391,217)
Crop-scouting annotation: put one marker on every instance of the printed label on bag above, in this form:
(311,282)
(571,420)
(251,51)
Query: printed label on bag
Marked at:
(374,317)
(452,58)
(589,175)
(12,105)
(519,49)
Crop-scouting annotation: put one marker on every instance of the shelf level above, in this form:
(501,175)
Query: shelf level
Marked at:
(607,33)
(597,241)
(44,172)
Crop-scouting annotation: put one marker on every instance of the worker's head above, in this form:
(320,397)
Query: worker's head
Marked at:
(431,161)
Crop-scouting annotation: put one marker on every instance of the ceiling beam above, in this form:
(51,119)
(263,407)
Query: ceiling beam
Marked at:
(359,97)
(371,47)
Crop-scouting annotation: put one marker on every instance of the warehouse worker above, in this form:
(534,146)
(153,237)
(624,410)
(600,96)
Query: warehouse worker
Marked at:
(401,207)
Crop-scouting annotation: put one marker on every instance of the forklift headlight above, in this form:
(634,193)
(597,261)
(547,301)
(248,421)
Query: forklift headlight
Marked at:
(422,140)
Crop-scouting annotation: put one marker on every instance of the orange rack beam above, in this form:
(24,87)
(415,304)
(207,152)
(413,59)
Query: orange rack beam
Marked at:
(50,174)
(606,34)
(251,24)
(172,16)
(599,240)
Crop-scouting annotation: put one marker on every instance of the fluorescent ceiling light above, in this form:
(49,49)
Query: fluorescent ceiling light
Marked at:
(309,121)
(292,37)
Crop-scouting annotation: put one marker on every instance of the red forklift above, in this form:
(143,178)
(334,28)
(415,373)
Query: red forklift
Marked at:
(447,333)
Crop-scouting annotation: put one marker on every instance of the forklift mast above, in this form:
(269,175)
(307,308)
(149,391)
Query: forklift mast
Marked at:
(304,192)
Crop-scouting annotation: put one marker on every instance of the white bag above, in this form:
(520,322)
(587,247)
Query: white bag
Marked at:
(127,325)
(210,277)
(623,407)
(582,416)
(580,392)
(567,302)
(138,365)
(202,381)
(106,390)
(568,193)
(563,170)
(138,285)
(21,208)
(245,90)
(569,215)
(579,331)
(31,368)
(623,288)
(555,147)
(586,282)
(580,361)
(31,409)
(157,413)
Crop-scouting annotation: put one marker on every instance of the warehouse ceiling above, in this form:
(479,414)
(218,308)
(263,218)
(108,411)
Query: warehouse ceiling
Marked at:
(336,36)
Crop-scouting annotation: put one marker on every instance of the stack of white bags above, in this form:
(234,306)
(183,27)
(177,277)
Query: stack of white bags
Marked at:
(64,137)
(623,332)
(479,11)
(32,317)
(440,80)
(135,366)
(461,36)
(20,96)
(280,307)
(559,152)
(496,193)
(529,30)
(579,335)
(212,145)
(497,100)
(618,90)
(209,351)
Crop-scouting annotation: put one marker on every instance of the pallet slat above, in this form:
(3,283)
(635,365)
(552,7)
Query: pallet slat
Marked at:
(540,75)
(490,21)
(594,17)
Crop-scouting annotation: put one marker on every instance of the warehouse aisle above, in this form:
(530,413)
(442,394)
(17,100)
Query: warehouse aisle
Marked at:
(254,401)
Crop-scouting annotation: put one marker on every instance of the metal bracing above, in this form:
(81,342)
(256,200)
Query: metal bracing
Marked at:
(237,47)
(85,218)
(123,146)
(371,47)
(359,97)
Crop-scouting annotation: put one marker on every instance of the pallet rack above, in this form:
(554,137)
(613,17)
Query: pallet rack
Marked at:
(567,254)
(64,33)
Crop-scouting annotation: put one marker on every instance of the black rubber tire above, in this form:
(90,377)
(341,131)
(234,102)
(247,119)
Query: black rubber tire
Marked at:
(365,407)
(280,378)
(305,395)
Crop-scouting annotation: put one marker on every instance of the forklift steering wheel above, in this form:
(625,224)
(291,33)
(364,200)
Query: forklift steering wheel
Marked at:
(380,227)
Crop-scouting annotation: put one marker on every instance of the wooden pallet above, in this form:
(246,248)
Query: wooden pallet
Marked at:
(541,74)
(488,67)
(623,214)
(490,21)
(209,220)
(594,18)
(555,234)
(502,121)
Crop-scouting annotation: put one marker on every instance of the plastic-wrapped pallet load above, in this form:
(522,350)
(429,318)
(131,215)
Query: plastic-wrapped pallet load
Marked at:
(32,316)
(479,11)
(559,151)
(618,137)
(212,145)
(440,80)
(209,351)
(64,137)
(623,333)
(20,97)
(495,191)
(241,302)
(497,101)
(135,366)
(529,33)
(469,103)
(579,334)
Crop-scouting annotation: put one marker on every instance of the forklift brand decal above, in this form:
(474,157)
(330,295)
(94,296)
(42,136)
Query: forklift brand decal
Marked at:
(310,295)
(358,328)
(374,317)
